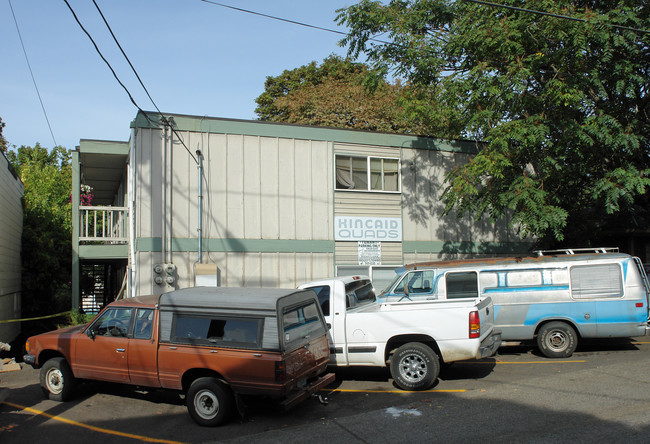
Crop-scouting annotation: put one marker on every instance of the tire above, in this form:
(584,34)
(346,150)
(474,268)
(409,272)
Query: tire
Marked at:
(209,402)
(414,366)
(57,381)
(557,340)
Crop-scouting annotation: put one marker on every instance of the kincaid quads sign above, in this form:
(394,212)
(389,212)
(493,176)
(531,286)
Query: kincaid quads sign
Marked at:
(384,229)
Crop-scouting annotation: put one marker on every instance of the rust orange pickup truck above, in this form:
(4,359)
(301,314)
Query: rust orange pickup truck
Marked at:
(213,344)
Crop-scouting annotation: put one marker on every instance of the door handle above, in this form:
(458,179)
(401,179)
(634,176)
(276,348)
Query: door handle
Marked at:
(120,350)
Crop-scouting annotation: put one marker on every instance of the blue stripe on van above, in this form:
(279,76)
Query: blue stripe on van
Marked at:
(569,310)
(517,289)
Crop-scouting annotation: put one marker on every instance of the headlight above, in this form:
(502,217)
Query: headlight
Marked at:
(27,347)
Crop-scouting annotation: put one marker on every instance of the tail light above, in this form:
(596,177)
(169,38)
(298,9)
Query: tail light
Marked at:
(474,325)
(27,347)
(280,372)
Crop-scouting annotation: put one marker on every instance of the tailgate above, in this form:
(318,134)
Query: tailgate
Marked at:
(486,316)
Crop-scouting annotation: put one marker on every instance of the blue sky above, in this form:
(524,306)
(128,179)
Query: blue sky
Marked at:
(194,58)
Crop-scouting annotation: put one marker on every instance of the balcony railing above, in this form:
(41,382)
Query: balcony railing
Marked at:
(104,224)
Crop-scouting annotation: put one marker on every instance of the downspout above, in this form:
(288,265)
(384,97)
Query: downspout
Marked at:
(200,228)
(163,206)
(132,287)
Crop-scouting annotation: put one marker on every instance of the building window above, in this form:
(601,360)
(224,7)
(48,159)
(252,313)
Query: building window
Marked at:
(367,173)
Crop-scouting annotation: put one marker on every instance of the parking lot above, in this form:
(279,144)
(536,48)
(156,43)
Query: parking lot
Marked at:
(601,393)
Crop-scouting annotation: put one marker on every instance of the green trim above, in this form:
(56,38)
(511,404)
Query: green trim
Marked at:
(103,251)
(154,244)
(292,131)
(103,147)
(410,247)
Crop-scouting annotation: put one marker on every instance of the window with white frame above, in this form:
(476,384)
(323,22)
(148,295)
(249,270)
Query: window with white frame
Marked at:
(367,173)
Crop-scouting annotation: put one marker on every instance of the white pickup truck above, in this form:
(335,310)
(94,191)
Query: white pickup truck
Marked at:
(412,338)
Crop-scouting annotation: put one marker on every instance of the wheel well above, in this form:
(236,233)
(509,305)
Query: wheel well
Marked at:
(566,321)
(397,341)
(46,355)
(195,373)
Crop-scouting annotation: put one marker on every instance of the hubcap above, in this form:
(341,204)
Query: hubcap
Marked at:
(206,404)
(413,368)
(54,381)
(557,341)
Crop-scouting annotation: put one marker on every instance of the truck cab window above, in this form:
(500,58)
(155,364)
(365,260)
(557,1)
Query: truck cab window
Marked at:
(143,324)
(113,322)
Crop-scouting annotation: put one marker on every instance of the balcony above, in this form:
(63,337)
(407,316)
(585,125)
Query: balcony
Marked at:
(105,224)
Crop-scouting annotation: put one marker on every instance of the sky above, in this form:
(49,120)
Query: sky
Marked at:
(194,58)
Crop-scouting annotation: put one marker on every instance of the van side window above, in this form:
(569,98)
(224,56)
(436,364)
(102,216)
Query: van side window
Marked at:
(462,285)
(596,281)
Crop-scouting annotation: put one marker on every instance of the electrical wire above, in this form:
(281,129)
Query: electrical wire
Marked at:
(165,120)
(549,14)
(38,93)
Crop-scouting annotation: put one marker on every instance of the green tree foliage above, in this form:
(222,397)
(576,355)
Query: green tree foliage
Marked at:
(561,105)
(337,93)
(47,228)
(3,141)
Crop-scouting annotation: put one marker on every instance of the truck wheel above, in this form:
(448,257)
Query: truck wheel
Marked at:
(57,381)
(414,366)
(209,402)
(557,340)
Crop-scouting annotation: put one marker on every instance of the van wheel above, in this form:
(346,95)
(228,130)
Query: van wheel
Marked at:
(557,340)
(57,381)
(209,402)
(414,366)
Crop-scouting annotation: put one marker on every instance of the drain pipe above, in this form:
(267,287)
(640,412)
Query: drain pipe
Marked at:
(132,287)
(200,228)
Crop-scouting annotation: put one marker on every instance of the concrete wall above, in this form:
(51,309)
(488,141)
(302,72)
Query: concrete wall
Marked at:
(11,228)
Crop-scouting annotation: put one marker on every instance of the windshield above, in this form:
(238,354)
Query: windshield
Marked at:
(392,283)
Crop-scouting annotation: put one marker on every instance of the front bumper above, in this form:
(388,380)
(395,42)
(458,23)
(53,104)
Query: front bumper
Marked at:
(490,345)
(307,391)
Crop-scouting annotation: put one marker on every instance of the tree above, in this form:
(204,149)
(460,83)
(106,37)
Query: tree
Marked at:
(3,141)
(338,93)
(561,104)
(47,228)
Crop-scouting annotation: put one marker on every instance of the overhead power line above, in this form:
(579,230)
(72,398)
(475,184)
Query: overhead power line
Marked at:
(38,93)
(549,14)
(165,121)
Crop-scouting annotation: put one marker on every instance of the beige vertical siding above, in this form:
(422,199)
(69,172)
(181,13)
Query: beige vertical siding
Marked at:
(11,226)
(253,188)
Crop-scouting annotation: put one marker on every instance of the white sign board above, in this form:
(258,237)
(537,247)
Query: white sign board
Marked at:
(369,253)
(382,229)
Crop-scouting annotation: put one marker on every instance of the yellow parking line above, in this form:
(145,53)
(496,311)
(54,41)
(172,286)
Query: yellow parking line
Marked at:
(89,427)
(390,391)
(523,362)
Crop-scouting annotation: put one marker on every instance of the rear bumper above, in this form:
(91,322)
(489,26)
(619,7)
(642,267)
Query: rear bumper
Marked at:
(308,390)
(490,345)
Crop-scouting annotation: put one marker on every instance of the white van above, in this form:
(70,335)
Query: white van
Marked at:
(556,297)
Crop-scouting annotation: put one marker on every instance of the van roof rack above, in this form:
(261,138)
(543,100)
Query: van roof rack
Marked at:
(576,251)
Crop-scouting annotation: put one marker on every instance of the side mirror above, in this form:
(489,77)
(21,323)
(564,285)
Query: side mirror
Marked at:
(90,333)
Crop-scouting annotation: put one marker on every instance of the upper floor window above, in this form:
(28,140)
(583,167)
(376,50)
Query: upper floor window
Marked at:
(367,173)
